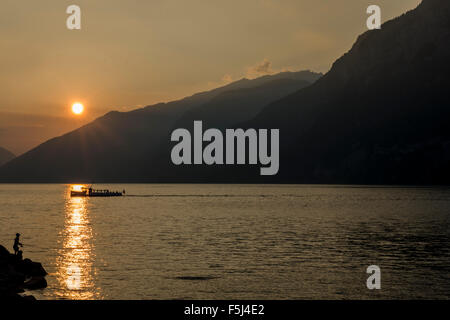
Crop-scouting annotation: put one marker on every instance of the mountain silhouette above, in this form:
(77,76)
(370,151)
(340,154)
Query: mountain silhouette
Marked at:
(130,146)
(379,116)
(5,156)
(244,103)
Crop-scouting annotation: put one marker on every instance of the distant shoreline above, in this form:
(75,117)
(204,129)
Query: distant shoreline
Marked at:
(318,185)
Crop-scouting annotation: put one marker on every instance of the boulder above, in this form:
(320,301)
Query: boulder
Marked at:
(17,274)
(4,253)
(28,298)
(13,297)
(30,268)
(35,283)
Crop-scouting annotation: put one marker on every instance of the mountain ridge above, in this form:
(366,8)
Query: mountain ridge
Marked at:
(131,140)
(5,156)
(382,98)
(379,116)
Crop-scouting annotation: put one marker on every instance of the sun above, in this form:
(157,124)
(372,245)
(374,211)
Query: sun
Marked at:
(77,187)
(77,108)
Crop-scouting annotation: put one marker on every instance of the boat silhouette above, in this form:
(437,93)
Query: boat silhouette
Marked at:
(90,192)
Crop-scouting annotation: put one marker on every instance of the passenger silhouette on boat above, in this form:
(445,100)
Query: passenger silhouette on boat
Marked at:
(17,244)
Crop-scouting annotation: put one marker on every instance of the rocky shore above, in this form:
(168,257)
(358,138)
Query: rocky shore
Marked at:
(18,274)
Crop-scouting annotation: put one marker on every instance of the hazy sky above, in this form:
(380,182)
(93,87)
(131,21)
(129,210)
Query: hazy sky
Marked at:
(133,53)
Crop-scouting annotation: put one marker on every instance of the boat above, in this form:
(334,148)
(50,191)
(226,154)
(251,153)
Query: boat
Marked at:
(90,192)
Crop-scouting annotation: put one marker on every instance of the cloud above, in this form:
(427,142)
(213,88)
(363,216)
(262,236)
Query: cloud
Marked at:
(261,69)
(226,79)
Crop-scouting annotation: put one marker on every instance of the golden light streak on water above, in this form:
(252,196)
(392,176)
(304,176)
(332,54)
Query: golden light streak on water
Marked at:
(74,262)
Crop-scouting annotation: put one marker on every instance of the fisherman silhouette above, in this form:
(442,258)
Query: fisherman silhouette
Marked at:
(17,244)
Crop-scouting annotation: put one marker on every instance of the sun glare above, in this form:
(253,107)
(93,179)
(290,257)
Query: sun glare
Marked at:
(77,108)
(77,187)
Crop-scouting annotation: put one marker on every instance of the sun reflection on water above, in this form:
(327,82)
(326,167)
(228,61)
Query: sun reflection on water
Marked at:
(74,264)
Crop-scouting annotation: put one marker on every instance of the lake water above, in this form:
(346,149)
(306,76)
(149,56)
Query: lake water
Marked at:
(233,241)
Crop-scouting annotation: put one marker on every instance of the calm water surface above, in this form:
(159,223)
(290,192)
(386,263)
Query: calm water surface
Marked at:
(233,241)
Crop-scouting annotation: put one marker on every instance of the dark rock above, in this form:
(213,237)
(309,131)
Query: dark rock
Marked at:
(30,268)
(35,283)
(28,298)
(16,297)
(4,253)
(17,274)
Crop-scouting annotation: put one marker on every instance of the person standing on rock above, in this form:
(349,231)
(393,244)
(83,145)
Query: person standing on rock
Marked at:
(17,244)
